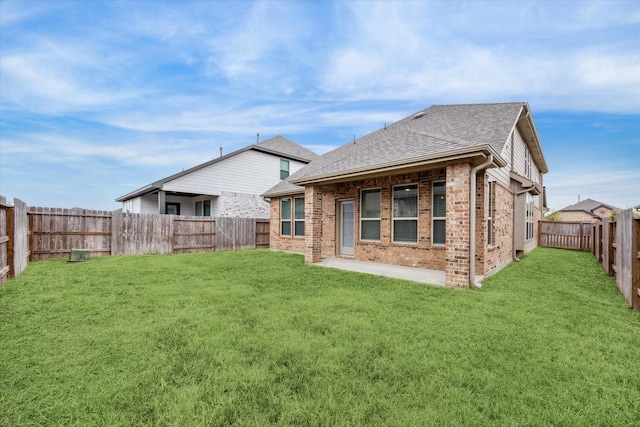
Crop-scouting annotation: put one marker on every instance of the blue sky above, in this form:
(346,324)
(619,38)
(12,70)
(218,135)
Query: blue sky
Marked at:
(100,98)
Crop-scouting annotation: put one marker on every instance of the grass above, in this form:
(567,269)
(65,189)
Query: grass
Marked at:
(258,338)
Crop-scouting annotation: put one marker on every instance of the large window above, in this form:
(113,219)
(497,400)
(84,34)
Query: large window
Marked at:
(284,168)
(370,215)
(203,208)
(439,213)
(527,163)
(529,217)
(285,217)
(405,213)
(490,215)
(298,216)
(289,212)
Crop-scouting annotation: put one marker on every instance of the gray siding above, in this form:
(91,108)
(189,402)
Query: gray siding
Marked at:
(250,172)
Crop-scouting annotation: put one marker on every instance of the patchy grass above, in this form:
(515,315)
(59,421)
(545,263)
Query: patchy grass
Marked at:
(258,338)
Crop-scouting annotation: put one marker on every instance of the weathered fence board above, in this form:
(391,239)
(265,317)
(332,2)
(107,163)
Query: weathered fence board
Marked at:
(621,254)
(21,234)
(235,233)
(4,241)
(56,231)
(134,234)
(262,234)
(193,234)
(566,235)
(628,257)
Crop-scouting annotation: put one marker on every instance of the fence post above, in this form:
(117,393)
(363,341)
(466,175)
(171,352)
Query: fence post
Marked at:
(635,275)
(10,243)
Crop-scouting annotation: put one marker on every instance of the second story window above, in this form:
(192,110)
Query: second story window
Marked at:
(284,169)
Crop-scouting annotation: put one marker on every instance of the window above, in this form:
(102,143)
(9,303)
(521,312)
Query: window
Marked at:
(285,217)
(172,208)
(490,216)
(529,217)
(439,213)
(370,215)
(203,208)
(298,216)
(405,213)
(128,206)
(527,163)
(284,168)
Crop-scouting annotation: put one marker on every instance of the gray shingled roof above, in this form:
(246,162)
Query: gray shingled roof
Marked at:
(282,145)
(438,131)
(587,205)
(283,188)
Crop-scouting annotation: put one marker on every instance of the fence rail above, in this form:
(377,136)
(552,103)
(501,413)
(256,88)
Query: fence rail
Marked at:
(38,233)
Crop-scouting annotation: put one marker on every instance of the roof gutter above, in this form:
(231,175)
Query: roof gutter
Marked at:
(393,167)
(472,221)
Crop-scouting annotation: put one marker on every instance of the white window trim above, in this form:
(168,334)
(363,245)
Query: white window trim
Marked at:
(527,163)
(379,189)
(296,220)
(438,218)
(529,221)
(288,170)
(286,220)
(394,219)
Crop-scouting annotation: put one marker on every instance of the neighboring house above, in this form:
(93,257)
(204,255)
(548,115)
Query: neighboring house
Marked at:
(587,210)
(401,195)
(229,186)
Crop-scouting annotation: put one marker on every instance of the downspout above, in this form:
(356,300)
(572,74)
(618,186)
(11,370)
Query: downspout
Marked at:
(472,221)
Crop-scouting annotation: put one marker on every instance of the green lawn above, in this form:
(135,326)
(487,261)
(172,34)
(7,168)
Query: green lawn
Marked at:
(258,338)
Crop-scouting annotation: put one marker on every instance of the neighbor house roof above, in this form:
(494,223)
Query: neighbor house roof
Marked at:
(278,146)
(436,134)
(588,206)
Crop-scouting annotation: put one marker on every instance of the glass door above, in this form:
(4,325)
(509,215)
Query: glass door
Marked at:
(346,228)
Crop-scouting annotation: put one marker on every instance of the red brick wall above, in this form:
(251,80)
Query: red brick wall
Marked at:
(313,224)
(282,243)
(457,251)
(421,254)
(501,251)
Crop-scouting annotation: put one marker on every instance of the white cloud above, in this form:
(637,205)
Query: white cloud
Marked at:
(421,52)
(619,188)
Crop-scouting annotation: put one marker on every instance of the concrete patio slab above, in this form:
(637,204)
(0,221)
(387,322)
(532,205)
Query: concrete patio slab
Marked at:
(414,274)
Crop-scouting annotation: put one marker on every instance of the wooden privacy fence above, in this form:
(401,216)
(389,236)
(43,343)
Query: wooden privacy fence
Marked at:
(14,238)
(35,233)
(565,235)
(619,253)
(162,234)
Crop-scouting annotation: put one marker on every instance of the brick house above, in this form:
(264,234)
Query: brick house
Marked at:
(401,195)
(587,210)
